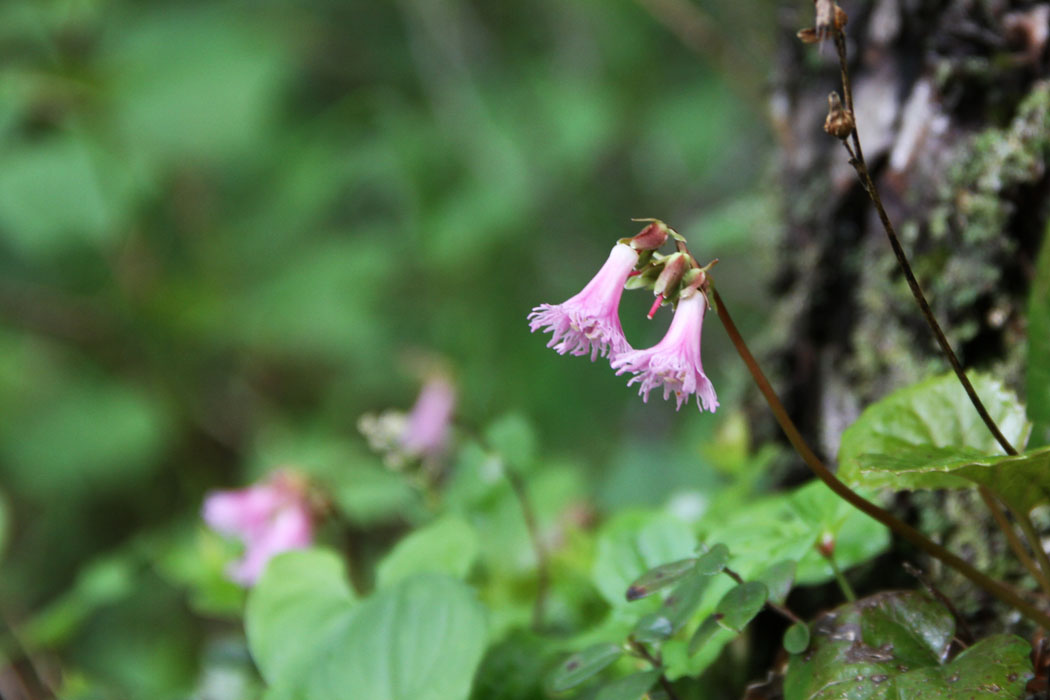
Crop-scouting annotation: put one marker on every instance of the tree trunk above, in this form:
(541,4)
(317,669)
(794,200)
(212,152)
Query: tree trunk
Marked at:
(952,102)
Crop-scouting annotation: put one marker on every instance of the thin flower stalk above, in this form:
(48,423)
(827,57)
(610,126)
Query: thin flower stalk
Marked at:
(899,527)
(856,153)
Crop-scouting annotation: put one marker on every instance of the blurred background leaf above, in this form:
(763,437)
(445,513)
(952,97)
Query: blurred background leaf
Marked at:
(229,229)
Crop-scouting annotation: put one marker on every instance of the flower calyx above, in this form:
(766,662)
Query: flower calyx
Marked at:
(588,323)
(670,278)
(652,237)
(826,545)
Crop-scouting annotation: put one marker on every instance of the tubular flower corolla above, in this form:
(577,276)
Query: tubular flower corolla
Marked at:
(674,362)
(590,322)
(269,518)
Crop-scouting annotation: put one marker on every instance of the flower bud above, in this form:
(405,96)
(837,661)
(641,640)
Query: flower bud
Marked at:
(839,122)
(826,545)
(674,268)
(651,237)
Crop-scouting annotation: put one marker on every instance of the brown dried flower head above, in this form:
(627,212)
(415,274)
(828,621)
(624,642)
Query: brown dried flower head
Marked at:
(831,19)
(839,122)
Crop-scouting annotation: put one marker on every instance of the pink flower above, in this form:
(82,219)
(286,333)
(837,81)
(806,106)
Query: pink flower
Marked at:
(589,322)
(674,362)
(269,518)
(426,432)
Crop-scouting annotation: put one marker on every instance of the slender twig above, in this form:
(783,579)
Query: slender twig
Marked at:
(656,663)
(777,607)
(902,529)
(858,163)
(517,484)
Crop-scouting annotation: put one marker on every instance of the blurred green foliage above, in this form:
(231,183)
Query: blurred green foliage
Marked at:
(228,229)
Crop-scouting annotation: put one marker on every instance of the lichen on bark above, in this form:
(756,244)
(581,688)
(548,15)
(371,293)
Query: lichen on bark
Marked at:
(953,107)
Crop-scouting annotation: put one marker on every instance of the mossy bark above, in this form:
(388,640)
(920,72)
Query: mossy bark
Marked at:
(952,101)
(953,108)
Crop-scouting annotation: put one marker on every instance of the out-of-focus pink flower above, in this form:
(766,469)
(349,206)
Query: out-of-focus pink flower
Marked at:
(269,518)
(674,362)
(426,432)
(590,322)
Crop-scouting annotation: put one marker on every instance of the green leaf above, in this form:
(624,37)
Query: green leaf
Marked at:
(684,600)
(632,687)
(787,525)
(713,561)
(196,560)
(675,612)
(796,639)
(191,83)
(514,668)
(421,638)
(1038,379)
(859,649)
(1023,481)
(633,543)
(660,577)
(100,584)
(317,303)
(513,438)
(935,413)
(446,546)
(653,628)
(83,436)
(368,494)
(301,595)
(997,667)
(583,665)
(704,632)
(740,605)
(778,579)
(62,192)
